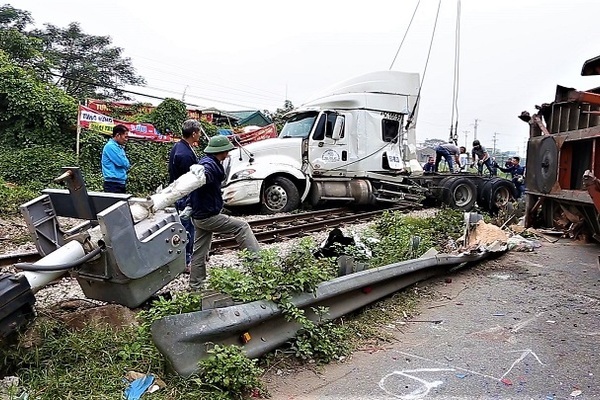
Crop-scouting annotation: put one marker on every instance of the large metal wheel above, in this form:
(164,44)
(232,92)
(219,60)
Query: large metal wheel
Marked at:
(460,193)
(547,164)
(279,195)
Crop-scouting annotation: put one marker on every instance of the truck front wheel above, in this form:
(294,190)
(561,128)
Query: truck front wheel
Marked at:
(279,195)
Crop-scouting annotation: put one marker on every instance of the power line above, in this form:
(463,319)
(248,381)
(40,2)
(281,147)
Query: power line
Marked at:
(178,67)
(148,95)
(114,88)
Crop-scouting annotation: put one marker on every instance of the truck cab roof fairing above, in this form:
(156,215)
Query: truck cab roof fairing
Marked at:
(379,82)
(391,91)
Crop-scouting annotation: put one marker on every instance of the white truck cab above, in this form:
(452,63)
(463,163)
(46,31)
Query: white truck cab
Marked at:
(341,145)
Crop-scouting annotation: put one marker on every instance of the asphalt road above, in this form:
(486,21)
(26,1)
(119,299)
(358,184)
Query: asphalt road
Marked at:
(522,326)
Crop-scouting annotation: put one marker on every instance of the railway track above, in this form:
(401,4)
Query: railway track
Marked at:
(269,230)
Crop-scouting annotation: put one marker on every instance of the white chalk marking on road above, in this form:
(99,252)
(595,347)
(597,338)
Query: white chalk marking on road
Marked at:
(420,392)
(522,324)
(446,364)
(524,353)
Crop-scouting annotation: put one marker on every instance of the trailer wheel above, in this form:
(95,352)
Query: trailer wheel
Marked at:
(547,164)
(279,195)
(459,193)
(496,194)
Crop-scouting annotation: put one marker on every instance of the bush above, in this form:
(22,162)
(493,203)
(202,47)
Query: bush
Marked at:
(36,166)
(12,196)
(230,374)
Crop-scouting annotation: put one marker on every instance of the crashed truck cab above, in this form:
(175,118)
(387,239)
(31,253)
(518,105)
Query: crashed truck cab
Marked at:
(331,146)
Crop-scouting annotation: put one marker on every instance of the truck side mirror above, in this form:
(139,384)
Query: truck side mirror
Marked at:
(338,129)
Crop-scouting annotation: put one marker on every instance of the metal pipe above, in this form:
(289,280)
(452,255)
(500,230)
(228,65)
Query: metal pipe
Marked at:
(70,252)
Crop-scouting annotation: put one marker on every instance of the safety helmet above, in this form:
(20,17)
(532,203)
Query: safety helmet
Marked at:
(218,144)
(476,143)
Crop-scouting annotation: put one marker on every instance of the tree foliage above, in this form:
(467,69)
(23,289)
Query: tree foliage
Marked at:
(277,116)
(31,111)
(87,66)
(24,50)
(169,115)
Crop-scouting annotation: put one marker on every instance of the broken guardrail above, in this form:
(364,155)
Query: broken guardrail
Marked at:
(185,338)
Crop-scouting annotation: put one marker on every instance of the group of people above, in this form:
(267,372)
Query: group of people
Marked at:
(201,211)
(480,157)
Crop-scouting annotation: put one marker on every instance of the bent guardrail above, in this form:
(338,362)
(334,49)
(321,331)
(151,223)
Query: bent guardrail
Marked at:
(184,339)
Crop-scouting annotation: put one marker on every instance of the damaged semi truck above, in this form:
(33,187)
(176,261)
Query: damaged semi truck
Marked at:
(355,142)
(563,161)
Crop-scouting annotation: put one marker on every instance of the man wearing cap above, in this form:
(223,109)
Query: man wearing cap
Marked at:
(483,157)
(207,204)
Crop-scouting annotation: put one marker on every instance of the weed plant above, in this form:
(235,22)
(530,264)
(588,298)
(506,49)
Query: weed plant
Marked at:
(404,237)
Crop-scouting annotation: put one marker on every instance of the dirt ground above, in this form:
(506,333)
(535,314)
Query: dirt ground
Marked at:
(524,325)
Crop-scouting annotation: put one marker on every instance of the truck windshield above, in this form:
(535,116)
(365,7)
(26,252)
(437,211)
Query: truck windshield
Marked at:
(299,126)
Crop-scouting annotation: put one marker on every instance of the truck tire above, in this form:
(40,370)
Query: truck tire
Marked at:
(496,194)
(459,193)
(279,195)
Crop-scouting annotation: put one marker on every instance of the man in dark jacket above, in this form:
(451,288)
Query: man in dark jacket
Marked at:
(517,172)
(207,203)
(181,158)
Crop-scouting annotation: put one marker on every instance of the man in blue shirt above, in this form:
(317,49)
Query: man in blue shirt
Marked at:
(181,158)
(207,204)
(518,175)
(114,161)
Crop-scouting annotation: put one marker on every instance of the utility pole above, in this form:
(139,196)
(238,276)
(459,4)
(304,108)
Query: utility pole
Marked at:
(475,129)
(184,91)
(466,138)
(494,141)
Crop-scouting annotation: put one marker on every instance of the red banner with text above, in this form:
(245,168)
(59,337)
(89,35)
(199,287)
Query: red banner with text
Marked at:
(266,132)
(93,120)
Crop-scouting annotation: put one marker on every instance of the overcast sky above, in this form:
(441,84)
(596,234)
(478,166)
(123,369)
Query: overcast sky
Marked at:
(239,55)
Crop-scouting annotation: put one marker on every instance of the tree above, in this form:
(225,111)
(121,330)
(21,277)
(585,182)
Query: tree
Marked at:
(277,116)
(170,115)
(24,50)
(85,65)
(13,18)
(32,111)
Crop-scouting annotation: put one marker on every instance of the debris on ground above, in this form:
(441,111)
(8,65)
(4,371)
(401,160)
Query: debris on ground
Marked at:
(9,387)
(519,243)
(138,386)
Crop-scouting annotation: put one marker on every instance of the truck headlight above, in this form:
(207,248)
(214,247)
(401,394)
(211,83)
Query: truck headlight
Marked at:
(243,174)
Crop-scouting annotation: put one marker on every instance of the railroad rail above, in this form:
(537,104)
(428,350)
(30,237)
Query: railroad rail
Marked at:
(269,230)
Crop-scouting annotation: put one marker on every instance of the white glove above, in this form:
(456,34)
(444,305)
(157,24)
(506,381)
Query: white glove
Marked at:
(185,213)
(197,169)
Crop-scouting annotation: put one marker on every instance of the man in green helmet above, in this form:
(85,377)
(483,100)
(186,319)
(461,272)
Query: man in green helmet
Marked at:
(207,204)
